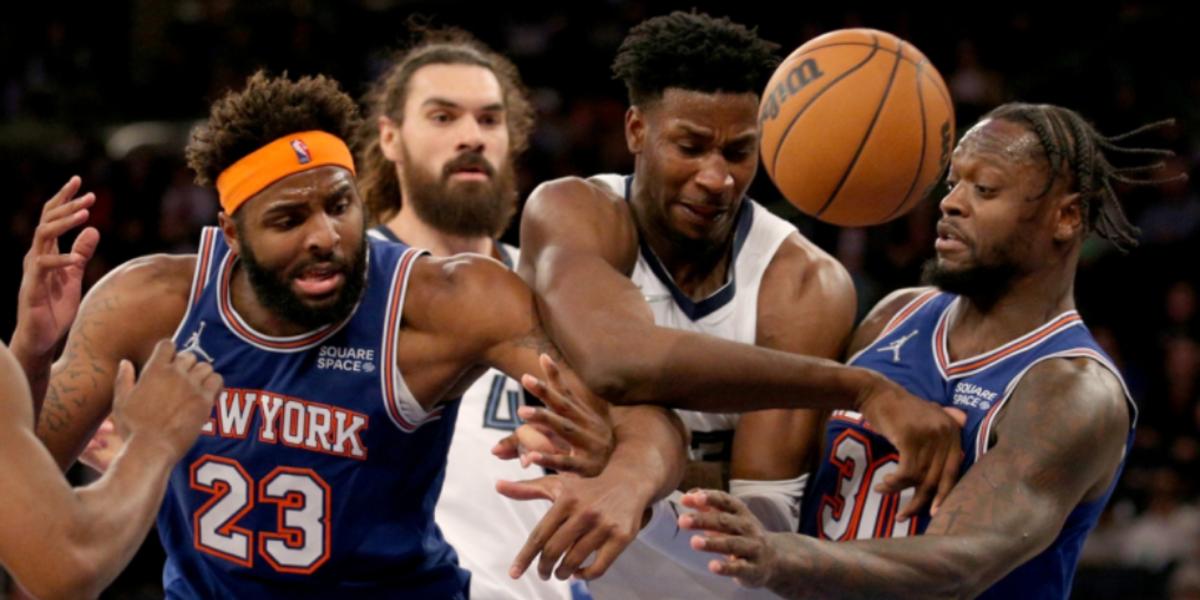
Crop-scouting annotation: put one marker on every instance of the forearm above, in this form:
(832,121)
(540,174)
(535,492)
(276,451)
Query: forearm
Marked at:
(118,510)
(918,567)
(36,367)
(698,372)
(651,449)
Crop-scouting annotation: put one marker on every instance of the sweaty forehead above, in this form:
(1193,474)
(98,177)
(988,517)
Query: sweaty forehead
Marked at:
(998,139)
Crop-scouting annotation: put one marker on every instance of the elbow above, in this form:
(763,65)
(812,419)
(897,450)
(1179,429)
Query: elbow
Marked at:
(611,373)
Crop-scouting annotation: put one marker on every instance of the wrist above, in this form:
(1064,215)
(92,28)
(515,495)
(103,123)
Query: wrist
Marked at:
(866,385)
(27,352)
(152,447)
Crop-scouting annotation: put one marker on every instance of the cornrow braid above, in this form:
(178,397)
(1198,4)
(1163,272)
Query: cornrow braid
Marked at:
(1075,150)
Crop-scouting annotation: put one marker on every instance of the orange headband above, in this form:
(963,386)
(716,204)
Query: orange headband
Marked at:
(285,156)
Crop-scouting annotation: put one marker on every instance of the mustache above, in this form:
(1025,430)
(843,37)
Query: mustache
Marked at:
(469,161)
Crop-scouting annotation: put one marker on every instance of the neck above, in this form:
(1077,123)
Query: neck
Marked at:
(257,315)
(979,325)
(699,268)
(413,231)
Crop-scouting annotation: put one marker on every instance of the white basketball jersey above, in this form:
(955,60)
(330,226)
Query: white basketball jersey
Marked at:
(485,528)
(730,313)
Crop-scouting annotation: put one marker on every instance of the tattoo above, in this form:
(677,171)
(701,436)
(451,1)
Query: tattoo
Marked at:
(1058,438)
(77,375)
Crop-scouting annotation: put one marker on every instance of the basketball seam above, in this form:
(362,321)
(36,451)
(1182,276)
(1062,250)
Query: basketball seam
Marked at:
(796,117)
(921,161)
(887,90)
(940,88)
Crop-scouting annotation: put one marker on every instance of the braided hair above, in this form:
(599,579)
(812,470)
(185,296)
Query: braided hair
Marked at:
(1076,151)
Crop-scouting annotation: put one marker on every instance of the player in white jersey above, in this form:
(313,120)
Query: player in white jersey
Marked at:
(449,117)
(630,270)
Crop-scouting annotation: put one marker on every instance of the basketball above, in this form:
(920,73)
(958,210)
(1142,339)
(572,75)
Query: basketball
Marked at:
(857,127)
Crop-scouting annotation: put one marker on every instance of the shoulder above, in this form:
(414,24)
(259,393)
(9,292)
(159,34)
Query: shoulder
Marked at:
(1078,388)
(800,268)
(567,197)
(157,283)
(135,304)
(807,302)
(883,311)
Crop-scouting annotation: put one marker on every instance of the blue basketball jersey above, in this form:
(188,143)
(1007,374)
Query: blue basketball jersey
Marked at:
(317,475)
(841,503)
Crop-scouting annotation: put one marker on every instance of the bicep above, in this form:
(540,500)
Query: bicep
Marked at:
(1062,434)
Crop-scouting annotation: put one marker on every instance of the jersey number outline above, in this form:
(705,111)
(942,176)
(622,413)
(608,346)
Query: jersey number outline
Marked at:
(302,540)
(856,510)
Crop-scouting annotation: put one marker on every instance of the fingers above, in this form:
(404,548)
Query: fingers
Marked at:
(164,353)
(745,572)
(605,556)
(913,465)
(957,414)
(59,220)
(507,448)
(564,463)
(537,539)
(555,400)
(579,552)
(66,191)
(729,545)
(85,243)
(573,528)
(949,477)
(703,500)
(124,380)
(184,361)
(926,490)
(531,489)
(562,426)
(718,522)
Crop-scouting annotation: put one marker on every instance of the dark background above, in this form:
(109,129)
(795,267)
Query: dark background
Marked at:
(108,90)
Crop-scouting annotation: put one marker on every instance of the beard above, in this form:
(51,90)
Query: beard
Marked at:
(275,292)
(462,208)
(981,283)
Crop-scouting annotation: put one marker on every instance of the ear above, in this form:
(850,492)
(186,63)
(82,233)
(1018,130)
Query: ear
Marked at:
(1068,217)
(389,139)
(635,129)
(229,228)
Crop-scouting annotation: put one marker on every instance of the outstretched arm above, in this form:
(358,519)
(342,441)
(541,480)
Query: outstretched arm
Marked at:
(577,247)
(60,542)
(579,244)
(1058,443)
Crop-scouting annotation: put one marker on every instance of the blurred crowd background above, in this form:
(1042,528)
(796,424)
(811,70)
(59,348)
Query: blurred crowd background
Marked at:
(109,91)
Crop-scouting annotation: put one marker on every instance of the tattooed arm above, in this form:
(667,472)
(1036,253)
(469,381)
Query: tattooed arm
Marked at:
(122,317)
(1058,443)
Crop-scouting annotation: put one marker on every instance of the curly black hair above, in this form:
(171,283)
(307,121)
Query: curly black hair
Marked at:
(693,51)
(267,109)
(1074,150)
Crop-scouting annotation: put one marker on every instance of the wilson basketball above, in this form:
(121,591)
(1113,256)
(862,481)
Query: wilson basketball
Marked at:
(857,127)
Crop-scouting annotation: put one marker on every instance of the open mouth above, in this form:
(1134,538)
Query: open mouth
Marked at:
(319,280)
(948,239)
(706,212)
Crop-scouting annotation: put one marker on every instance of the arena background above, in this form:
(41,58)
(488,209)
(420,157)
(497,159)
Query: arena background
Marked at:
(109,90)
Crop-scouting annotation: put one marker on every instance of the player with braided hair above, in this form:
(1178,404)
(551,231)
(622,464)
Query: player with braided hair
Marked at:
(1047,418)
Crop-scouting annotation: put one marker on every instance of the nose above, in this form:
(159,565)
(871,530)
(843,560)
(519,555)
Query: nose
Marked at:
(714,175)
(470,135)
(954,204)
(322,235)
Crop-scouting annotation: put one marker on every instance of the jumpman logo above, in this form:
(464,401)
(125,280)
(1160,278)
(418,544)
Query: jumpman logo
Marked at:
(193,345)
(895,346)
